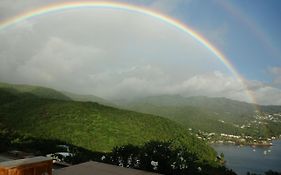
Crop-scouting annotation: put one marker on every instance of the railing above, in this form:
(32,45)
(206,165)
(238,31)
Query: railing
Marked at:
(30,166)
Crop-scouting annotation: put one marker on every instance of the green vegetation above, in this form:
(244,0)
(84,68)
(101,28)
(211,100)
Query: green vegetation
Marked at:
(190,117)
(38,91)
(156,156)
(38,119)
(162,157)
(219,115)
(88,98)
(90,125)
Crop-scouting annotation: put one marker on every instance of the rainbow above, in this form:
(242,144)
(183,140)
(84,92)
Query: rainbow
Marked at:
(120,6)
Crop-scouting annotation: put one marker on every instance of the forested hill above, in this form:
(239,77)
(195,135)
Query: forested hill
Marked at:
(230,109)
(88,98)
(37,91)
(49,93)
(90,125)
(219,115)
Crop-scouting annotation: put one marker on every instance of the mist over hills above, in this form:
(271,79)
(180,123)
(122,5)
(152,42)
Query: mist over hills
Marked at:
(88,98)
(99,125)
(230,108)
(44,92)
(210,114)
(200,113)
(87,124)
(41,92)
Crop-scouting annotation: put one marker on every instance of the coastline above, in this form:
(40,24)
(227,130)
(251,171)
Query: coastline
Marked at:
(247,158)
(253,145)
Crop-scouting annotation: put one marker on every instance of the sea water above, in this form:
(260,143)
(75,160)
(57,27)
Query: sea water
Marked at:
(243,159)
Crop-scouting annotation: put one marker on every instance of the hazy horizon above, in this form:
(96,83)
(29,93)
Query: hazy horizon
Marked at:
(114,53)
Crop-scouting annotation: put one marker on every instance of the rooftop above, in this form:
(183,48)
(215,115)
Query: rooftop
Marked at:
(92,168)
(21,162)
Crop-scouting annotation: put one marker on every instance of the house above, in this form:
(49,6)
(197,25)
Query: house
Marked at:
(44,166)
(29,166)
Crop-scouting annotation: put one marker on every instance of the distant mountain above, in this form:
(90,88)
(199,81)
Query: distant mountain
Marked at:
(229,108)
(89,125)
(87,98)
(208,114)
(49,93)
(38,91)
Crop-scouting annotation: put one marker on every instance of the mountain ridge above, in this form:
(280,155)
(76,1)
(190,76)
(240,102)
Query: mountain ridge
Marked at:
(209,114)
(90,125)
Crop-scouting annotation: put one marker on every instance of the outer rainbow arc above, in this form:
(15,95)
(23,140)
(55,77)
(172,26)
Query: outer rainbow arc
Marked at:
(161,17)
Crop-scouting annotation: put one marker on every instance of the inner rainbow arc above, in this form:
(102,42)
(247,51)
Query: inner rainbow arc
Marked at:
(173,22)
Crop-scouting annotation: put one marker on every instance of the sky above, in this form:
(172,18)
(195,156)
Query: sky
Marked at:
(117,54)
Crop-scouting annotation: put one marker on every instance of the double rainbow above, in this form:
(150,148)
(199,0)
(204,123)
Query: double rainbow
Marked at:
(120,6)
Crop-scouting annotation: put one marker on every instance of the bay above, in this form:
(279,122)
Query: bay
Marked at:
(243,159)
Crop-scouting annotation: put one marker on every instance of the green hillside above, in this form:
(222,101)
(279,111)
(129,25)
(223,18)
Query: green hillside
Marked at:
(190,117)
(91,125)
(88,98)
(218,115)
(38,91)
(49,93)
(230,110)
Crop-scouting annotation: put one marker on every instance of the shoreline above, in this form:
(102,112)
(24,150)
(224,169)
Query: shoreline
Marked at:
(246,158)
(253,145)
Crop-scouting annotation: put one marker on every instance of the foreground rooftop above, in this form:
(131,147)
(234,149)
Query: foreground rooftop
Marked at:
(96,168)
(43,165)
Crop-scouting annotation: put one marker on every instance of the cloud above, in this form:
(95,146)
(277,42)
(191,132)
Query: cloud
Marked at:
(9,8)
(148,81)
(275,72)
(57,62)
(76,45)
(268,95)
(214,84)
(117,54)
(218,34)
(168,6)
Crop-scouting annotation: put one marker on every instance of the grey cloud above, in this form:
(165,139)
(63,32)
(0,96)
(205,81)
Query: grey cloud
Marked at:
(275,72)
(115,54)
(168,6)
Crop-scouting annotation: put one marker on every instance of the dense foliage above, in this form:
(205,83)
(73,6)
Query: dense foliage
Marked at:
(162,157)
(90,125)
(218,115)
(37,119)
(156,156)
(37,91)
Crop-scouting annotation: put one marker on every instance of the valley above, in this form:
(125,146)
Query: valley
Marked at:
(32,115)
(217,120)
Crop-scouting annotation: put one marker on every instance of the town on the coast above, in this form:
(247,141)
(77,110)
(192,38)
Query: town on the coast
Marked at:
(242,138)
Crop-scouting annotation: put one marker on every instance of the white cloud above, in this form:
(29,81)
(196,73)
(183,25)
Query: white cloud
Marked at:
(117,54)
(168,6)
(77,45)
(57,62)
(276,75)
(268,95)
(214,84)
(148,80)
